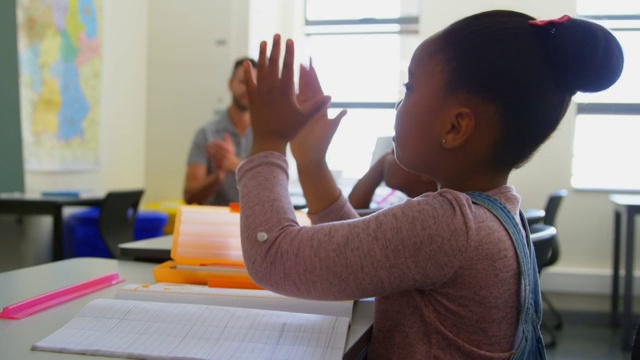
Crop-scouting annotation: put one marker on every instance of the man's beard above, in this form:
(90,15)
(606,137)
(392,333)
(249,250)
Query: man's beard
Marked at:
(240,105)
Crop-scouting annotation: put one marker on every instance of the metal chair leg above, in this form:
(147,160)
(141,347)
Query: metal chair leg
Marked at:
(557,324)
(548,335)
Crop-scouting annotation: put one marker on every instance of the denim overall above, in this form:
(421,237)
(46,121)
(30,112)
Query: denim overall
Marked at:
(529,344)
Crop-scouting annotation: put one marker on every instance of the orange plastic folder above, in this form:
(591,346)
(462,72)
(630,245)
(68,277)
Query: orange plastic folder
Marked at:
(206,249)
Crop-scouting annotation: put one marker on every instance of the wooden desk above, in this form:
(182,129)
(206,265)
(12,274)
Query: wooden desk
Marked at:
(17,336)
(25,204)
(626,208)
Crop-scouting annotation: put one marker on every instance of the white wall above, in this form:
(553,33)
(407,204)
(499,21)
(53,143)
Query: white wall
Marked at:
(268,17)
(191,52)
(123,107)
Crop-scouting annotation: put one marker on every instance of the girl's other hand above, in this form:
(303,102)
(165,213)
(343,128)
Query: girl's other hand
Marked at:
(311,144)
(276,114)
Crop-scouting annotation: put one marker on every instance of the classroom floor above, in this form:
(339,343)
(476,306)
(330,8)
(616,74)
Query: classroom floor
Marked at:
(586,336)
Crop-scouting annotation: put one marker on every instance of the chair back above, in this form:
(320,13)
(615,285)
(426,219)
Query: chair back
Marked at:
(117,218)
(551,212)
(635,345)
(542,237)
(553,205)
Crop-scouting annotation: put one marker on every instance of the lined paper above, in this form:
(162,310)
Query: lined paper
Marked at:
(155,330)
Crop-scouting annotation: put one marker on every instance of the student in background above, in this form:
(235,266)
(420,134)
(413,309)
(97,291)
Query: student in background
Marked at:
(218,147)
(386,169)
(453,272)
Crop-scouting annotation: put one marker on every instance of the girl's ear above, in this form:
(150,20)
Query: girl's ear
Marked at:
(460,126)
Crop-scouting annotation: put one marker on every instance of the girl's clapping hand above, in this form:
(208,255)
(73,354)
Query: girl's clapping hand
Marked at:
(277,115)
(312,142)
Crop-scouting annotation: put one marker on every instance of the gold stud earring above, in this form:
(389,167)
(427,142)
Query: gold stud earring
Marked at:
(444,141)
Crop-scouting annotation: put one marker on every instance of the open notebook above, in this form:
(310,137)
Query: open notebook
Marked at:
(164,327)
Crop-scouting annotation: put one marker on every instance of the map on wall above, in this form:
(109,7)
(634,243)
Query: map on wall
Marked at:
(60,57)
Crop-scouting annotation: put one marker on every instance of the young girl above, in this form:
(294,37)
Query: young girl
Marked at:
(451,277)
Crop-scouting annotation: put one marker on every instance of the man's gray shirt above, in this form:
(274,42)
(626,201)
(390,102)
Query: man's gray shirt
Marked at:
(215,129)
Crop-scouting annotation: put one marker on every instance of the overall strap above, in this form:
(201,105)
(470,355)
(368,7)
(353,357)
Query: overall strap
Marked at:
(497,208)
(526,258)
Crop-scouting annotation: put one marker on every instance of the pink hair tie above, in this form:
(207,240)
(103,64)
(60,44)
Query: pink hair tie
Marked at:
(560,20)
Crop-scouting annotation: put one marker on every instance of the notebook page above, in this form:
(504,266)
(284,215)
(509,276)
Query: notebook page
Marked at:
(154,330)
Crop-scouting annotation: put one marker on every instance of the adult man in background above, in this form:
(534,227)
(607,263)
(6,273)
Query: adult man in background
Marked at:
(218,148)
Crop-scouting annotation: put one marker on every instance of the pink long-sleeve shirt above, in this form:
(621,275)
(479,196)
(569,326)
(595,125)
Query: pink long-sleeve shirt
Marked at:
(443,270)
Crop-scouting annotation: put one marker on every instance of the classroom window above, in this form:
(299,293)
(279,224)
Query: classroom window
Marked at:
(605,151)
(361,54)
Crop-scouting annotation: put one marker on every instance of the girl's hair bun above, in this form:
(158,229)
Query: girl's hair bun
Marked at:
(584,56)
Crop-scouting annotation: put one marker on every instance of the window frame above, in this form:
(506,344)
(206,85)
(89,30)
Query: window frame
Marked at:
(408,25)
(609,108)
(404,25)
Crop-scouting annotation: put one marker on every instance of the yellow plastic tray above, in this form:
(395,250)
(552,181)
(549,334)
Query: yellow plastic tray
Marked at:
(206,248)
